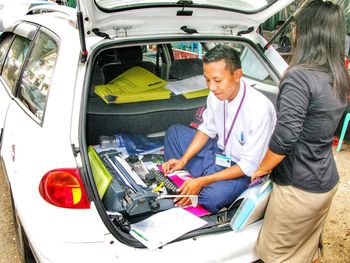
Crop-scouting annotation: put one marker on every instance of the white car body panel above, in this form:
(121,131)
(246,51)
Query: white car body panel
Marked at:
(34,212)
(5,100)
(233,247)
(13,10)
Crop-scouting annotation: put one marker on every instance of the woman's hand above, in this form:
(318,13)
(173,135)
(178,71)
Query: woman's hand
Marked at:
(270,161)
(259,173)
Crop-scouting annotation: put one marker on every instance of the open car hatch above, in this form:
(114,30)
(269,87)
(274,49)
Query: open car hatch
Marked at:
(141,17)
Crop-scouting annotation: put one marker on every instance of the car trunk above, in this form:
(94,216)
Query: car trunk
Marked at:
(173,61)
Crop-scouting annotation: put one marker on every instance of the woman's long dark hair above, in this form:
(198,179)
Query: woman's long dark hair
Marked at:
(320,42)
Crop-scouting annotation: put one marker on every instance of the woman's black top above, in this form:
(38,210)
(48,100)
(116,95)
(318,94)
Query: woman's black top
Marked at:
(308,113)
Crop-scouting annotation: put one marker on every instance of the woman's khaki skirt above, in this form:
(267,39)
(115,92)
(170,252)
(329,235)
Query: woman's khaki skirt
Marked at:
(293,225)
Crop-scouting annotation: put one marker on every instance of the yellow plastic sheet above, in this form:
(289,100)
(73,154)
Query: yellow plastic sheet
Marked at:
(196,94)
(136,84)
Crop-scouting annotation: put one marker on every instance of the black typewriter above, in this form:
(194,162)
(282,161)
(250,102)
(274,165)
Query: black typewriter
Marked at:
(160,178)
(127,193)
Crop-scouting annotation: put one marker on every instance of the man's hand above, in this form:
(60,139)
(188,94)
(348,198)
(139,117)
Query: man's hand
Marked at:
(173,165)
(190,187)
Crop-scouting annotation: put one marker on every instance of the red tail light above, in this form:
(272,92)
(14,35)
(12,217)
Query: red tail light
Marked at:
(64,188)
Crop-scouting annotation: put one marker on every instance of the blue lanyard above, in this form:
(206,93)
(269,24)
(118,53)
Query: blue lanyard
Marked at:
(234,119)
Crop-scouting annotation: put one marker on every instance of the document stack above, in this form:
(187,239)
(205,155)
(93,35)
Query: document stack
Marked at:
(134,85)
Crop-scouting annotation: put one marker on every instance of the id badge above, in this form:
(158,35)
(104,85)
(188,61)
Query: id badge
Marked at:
(222,160)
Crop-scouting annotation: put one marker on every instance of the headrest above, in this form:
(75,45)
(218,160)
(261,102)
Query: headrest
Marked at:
(186,68)
(130,54)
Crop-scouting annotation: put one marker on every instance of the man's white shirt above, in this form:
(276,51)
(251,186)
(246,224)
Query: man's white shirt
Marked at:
(251,132)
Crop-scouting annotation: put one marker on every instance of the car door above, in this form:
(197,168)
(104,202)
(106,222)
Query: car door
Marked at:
(14,49)
(6,94)
(25,114)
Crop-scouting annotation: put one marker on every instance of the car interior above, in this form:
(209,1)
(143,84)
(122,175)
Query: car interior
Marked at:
(104,119)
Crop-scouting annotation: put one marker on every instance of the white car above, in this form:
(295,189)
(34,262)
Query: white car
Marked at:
(50,117)
(13,10)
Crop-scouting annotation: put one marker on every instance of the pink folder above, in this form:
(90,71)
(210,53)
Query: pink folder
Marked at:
(179,178)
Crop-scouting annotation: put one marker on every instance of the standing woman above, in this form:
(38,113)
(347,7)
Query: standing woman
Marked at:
(310,103)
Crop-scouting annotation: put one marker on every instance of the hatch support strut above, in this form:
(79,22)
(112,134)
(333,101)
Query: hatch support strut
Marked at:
(283,27)
(84,52)
(278,33)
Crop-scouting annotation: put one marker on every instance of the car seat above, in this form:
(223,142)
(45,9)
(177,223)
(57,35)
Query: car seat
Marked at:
(96,79)
(186,68)
(128,57)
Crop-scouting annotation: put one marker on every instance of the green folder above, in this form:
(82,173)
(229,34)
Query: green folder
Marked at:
(101,175)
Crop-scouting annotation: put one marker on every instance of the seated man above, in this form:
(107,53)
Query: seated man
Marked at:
(231,141)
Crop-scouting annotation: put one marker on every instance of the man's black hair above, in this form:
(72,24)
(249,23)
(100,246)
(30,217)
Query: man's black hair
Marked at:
(226,53)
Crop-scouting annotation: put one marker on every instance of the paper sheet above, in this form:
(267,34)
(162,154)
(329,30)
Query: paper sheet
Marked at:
(164,227)
(187,85)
